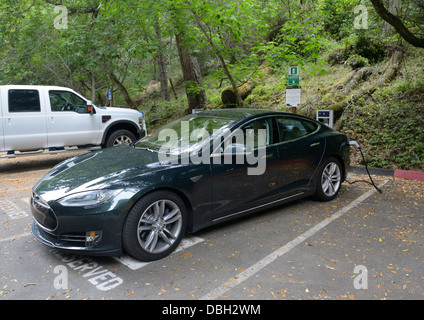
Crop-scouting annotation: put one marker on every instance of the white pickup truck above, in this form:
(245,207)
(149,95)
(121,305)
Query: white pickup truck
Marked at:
(49,119)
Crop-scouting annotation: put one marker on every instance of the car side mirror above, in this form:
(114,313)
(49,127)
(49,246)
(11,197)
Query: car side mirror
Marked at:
(90,108)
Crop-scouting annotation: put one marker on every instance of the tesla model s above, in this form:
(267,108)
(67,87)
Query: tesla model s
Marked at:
(194,172)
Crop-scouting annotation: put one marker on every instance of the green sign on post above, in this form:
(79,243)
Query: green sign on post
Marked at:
(294,73)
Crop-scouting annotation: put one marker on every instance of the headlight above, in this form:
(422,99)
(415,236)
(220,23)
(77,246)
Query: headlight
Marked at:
(89,199)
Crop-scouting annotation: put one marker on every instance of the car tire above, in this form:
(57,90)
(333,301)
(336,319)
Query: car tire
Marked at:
(120,137)
(329,180)
(154,226)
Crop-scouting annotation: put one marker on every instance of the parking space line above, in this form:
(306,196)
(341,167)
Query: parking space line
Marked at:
(17,237)
(134,264)
(248,272)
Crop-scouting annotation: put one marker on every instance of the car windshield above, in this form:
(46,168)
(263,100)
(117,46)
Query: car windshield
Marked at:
(184,134)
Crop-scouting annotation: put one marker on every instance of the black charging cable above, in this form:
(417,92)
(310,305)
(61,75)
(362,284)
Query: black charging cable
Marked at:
(354,143)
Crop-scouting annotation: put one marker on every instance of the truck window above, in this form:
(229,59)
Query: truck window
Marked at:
(66,101)
(21,100)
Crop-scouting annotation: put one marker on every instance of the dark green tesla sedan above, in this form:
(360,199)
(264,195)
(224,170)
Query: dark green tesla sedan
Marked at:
(195,172)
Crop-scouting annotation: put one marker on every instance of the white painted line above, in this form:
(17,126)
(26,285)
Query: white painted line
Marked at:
(11,209)
(247,273)
(134,264)
(17,237)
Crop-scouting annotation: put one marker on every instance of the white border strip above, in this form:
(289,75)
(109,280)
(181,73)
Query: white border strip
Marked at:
(247,273)
(134,264)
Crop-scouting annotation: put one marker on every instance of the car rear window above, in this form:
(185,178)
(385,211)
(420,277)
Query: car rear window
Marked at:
(21,100)
(310,126)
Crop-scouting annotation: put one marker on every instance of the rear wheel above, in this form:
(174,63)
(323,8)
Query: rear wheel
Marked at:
(155,226)
(329,180)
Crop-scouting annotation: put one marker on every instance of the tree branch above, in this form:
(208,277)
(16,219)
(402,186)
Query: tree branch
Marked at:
(396,23)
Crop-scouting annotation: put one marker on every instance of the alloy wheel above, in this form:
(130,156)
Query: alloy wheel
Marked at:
(159,226)
(122,139)
(331,179)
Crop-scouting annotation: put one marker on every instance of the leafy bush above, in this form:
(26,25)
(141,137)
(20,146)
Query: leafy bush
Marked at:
(390,134)
(338,17)
(368,48)
(356,61)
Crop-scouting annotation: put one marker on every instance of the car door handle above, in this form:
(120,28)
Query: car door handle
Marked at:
(315,144)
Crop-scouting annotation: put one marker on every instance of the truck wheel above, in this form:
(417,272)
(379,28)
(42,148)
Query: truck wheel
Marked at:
(119,137)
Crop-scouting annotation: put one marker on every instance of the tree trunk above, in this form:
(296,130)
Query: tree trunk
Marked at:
(93,86)
(123,90)
(239,100)
(173,88)
(163,78)
(130,102)
(160,59)
(397,23)
(196,95)
(229,98)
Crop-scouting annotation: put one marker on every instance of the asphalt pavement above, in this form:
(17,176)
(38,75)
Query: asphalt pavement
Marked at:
(362,246)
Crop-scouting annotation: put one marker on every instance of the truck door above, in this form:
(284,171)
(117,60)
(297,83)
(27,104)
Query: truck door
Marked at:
(68,121)
(24,120)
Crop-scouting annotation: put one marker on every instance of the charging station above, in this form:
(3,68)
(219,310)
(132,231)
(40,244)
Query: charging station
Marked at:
(326,117)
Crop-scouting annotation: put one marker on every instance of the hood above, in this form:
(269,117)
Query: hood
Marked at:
(114,110)
(107,168)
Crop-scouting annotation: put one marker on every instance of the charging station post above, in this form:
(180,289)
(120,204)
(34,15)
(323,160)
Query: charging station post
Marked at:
(326,117)
(293,91)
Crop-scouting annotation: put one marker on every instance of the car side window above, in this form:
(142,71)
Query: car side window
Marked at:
(66,101)
(21,100)
(258,133)
(291,128)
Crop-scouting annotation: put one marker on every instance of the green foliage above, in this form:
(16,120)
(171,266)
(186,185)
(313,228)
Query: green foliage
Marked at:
(338,16)
(390,133)
(369,48)
(356,61)
(124,38)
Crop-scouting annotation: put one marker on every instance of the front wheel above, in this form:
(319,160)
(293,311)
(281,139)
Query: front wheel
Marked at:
(155,226)
(120,137)
(329,180)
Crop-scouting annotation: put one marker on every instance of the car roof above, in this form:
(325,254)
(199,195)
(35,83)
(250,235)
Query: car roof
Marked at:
(235,113)
(245,113)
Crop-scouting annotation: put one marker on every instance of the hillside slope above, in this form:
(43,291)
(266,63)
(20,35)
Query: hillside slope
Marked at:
(388,121)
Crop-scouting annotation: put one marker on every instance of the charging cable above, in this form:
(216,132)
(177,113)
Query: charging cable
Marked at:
(354,143)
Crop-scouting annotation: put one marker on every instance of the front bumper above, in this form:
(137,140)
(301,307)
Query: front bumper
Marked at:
(59,242)
(96,231)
